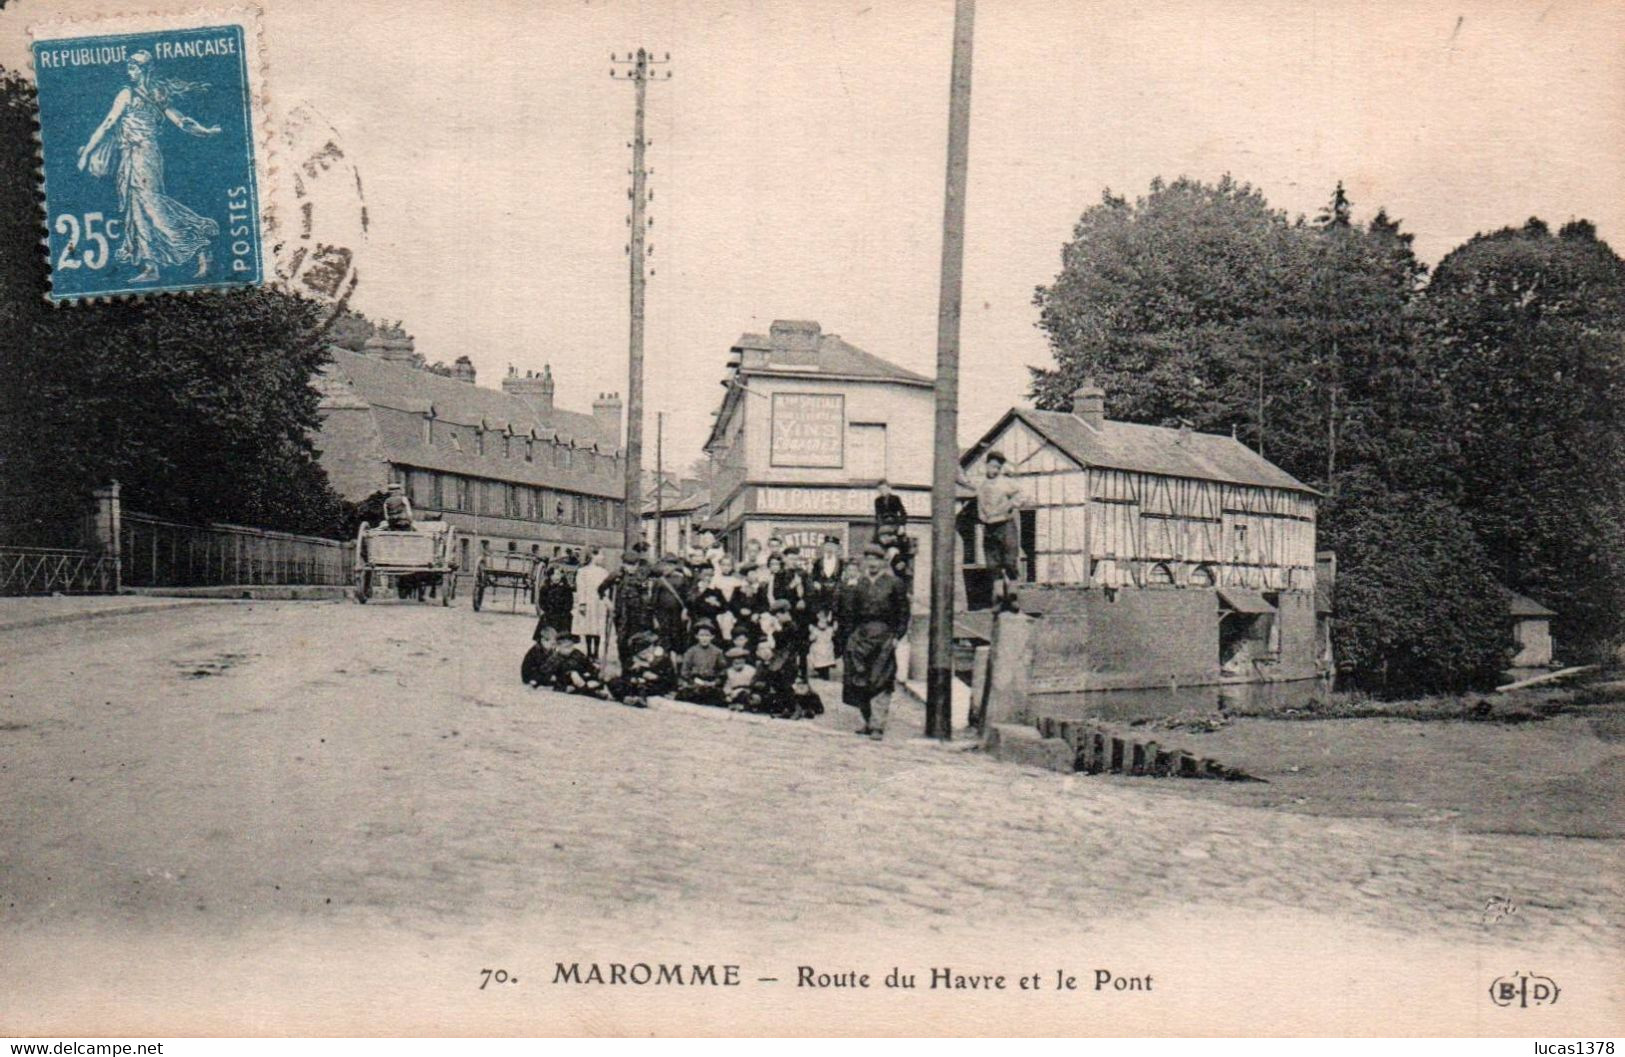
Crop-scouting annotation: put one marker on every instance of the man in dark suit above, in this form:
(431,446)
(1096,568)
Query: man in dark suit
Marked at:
(874,616)
(889,512)
(824,579)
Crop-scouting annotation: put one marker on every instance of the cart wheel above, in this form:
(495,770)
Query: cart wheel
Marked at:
(444,588)
(479,591)
(363,586)
(536,597)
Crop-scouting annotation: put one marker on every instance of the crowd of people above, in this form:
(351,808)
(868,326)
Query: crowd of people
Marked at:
(748,636)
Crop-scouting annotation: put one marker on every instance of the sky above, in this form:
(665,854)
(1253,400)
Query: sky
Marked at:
(798,156)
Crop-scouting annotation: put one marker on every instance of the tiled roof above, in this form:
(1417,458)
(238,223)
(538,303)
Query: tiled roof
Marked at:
(834,356)
(385,384)
(691,502)
(398,396)
(686,504)
(1159,450)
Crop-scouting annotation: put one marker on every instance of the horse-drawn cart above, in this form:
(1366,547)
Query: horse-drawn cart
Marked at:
(418,562)
(511,571)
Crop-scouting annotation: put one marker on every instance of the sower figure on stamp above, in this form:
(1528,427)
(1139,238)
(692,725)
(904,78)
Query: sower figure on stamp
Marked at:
(998,498)
(874,616)
(158,230)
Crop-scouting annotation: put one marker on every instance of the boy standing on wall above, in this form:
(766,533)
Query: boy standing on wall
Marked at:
(998,499)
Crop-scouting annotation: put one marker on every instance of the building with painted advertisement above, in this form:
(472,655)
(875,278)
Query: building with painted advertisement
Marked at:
(1157,556)
(808,428)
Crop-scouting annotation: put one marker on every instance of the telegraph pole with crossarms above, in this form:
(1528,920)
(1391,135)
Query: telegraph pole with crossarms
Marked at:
(639,69)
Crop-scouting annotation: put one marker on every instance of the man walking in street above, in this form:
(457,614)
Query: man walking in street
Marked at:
(998,498)
(874,616)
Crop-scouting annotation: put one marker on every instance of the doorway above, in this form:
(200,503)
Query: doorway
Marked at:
(1029,545)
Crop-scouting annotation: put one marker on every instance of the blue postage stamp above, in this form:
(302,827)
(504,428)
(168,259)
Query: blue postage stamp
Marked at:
(148,138)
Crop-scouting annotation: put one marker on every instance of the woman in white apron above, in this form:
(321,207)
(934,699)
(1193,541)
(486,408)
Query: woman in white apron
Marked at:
(592,612)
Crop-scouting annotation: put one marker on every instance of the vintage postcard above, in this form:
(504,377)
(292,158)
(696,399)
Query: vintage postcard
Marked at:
(948,517)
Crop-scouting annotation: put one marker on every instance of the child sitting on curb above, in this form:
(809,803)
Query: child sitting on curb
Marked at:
(577,674)
(736,684)
(649,674)
(540,667)
(804,704)
(775,672)
(703,668)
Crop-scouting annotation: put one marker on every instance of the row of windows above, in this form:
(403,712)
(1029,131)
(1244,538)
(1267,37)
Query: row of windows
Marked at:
(428,489)
(564,456)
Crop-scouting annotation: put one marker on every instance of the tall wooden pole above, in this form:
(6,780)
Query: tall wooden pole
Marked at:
(939,676)
(639,74)
(660,484)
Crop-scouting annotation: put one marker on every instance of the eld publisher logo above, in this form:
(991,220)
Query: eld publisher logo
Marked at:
(1524,990)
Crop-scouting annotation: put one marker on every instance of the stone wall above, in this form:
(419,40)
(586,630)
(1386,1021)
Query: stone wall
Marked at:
(1100,638)
(1296,612)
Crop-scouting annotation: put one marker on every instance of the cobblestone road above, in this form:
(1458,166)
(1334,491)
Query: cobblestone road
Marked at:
(221,770)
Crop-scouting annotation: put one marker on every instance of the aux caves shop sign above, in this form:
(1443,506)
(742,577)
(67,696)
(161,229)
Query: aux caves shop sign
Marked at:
(809,429)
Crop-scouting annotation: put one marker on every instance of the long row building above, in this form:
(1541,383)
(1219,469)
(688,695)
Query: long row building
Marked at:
(507,467)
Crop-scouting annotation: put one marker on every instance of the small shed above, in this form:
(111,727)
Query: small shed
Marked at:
(1531,631)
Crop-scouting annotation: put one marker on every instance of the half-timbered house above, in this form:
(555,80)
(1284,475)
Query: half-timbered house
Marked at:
(1168,554)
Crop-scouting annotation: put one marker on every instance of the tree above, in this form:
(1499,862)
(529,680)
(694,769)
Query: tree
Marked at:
(1159,301)
(1417,610)
(1199,303)
(1526,330)
(201,407)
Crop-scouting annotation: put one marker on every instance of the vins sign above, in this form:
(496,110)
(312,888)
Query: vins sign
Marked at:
(809,429)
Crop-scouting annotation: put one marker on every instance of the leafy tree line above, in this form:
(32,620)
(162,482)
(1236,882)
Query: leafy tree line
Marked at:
(201,407)
(1464,427)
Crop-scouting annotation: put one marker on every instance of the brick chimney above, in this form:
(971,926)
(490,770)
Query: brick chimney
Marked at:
(462,369)
(1089,403)
(393,347)
(607,410)
(533,387)
(795,340)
